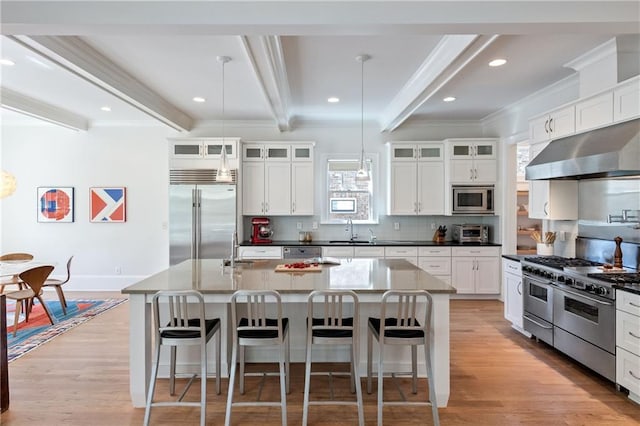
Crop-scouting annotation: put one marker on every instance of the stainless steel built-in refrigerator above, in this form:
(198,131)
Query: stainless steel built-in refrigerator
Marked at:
(202,216)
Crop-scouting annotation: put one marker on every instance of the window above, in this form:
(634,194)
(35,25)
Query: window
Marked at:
(347,197)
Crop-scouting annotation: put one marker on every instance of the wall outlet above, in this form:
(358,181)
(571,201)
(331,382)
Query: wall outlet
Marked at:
(299,226)
(433,226)
(314,225)
(118,270)
(396,226)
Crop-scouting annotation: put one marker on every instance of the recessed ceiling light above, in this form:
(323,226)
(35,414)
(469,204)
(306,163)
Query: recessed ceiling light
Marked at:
(7,62)
(449,99)
(199,99)
(106,108)
(333,100)
(497,62)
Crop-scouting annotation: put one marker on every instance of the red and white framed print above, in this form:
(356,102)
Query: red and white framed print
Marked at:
(107,204)
(55,204)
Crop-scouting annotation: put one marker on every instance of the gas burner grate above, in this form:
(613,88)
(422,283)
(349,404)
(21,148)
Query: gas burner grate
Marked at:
(559,262)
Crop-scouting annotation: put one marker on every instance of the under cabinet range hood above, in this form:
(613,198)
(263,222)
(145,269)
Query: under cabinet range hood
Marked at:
(612,151)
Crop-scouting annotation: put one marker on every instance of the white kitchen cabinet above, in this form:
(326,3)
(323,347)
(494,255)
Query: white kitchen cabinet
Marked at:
(374,252)
(259,252)
(595,111)
(277,179)
(472,161)
(337,251)
(410,254)
(436,261)
(552,199)
(628,342)
(475,270)
(626,100)
(512,293)
(553,125)
(199,148)
(416,184)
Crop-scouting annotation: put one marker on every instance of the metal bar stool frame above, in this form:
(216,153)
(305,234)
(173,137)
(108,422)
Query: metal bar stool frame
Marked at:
(183,329)
(333,328)
(403,329)
(257,329)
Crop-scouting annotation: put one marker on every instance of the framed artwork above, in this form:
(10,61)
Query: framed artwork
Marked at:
(107,204)
(55,204)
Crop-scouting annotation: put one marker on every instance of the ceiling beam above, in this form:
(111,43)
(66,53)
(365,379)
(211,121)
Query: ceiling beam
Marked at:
(267,61)
(26,105)
(78,57)
(446,60)
(308,17)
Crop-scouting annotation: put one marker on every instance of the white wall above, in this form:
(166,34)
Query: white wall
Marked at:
(48,155)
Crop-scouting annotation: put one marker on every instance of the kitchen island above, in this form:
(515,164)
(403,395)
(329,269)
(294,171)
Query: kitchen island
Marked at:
(369,278)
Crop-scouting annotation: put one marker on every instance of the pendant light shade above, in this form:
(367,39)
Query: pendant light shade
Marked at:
(363,173)
(224,173)
(7,184)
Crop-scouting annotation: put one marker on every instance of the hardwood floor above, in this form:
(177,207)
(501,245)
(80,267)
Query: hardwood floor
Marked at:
(498,377)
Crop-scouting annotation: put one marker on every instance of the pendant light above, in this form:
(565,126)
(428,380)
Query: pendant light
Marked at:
(363,174)
(223,174)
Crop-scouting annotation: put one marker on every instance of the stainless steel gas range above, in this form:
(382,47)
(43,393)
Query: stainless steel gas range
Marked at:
(570,304)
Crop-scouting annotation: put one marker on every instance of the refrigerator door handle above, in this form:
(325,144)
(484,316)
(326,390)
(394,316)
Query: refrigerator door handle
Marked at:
(198,223)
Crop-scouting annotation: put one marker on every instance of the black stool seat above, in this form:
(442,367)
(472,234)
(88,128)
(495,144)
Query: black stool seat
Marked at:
(209,325)
(393,322)
(332,333)
(261,334)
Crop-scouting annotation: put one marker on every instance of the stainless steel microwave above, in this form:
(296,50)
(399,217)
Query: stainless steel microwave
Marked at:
(473,199)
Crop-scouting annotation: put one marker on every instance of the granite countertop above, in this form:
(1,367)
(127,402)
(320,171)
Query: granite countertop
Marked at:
(360,275)
(631,288)
(381,243)
(515,257)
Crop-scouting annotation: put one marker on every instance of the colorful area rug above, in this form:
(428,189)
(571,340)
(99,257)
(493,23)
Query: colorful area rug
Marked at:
(39,330)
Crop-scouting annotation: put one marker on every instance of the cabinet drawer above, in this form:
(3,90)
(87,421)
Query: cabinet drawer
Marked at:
(400,251)
(628,370)
(512,267)
(260,252)
(628,302)
(434,251)
(475,251)
(628,332)
(337,251)
(368,251)
(435,265)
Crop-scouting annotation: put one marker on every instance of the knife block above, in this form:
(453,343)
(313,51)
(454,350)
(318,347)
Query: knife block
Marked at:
(438,237)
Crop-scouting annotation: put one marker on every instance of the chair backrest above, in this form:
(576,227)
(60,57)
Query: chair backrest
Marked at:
(16,256)
(332,310)
(257,310)
(405,311)
(178,311)
(35,277)
(68,270)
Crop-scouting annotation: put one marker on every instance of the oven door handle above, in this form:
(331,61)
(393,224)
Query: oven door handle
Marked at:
(586,297)
(536,322)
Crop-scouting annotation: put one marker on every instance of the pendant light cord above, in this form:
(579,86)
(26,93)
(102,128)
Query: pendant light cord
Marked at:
(362,112)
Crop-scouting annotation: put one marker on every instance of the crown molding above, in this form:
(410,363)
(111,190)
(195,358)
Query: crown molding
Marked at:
(26,105)
(605,50)
(78,57)
(447,59)
(266,57)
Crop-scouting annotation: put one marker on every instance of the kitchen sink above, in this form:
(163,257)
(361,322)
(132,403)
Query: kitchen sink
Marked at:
(349,242)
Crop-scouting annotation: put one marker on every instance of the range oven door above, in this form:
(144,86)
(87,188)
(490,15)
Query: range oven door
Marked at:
(538,308)
(587,317)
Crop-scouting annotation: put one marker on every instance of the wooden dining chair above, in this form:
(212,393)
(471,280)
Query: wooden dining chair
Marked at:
(57,284)
(13,257)
(34,279)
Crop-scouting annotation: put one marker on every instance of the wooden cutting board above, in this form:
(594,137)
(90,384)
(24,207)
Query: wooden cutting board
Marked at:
(310,268)
(614,269)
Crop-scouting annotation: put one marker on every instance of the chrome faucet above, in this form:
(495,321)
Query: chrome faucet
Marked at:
(234,249)
(349,228)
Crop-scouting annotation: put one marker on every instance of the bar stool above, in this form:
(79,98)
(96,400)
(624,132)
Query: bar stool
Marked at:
(332,328)
(257,329)
(403,329)
(183,330)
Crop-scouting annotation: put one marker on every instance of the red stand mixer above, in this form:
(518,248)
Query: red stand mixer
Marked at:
(261,232)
